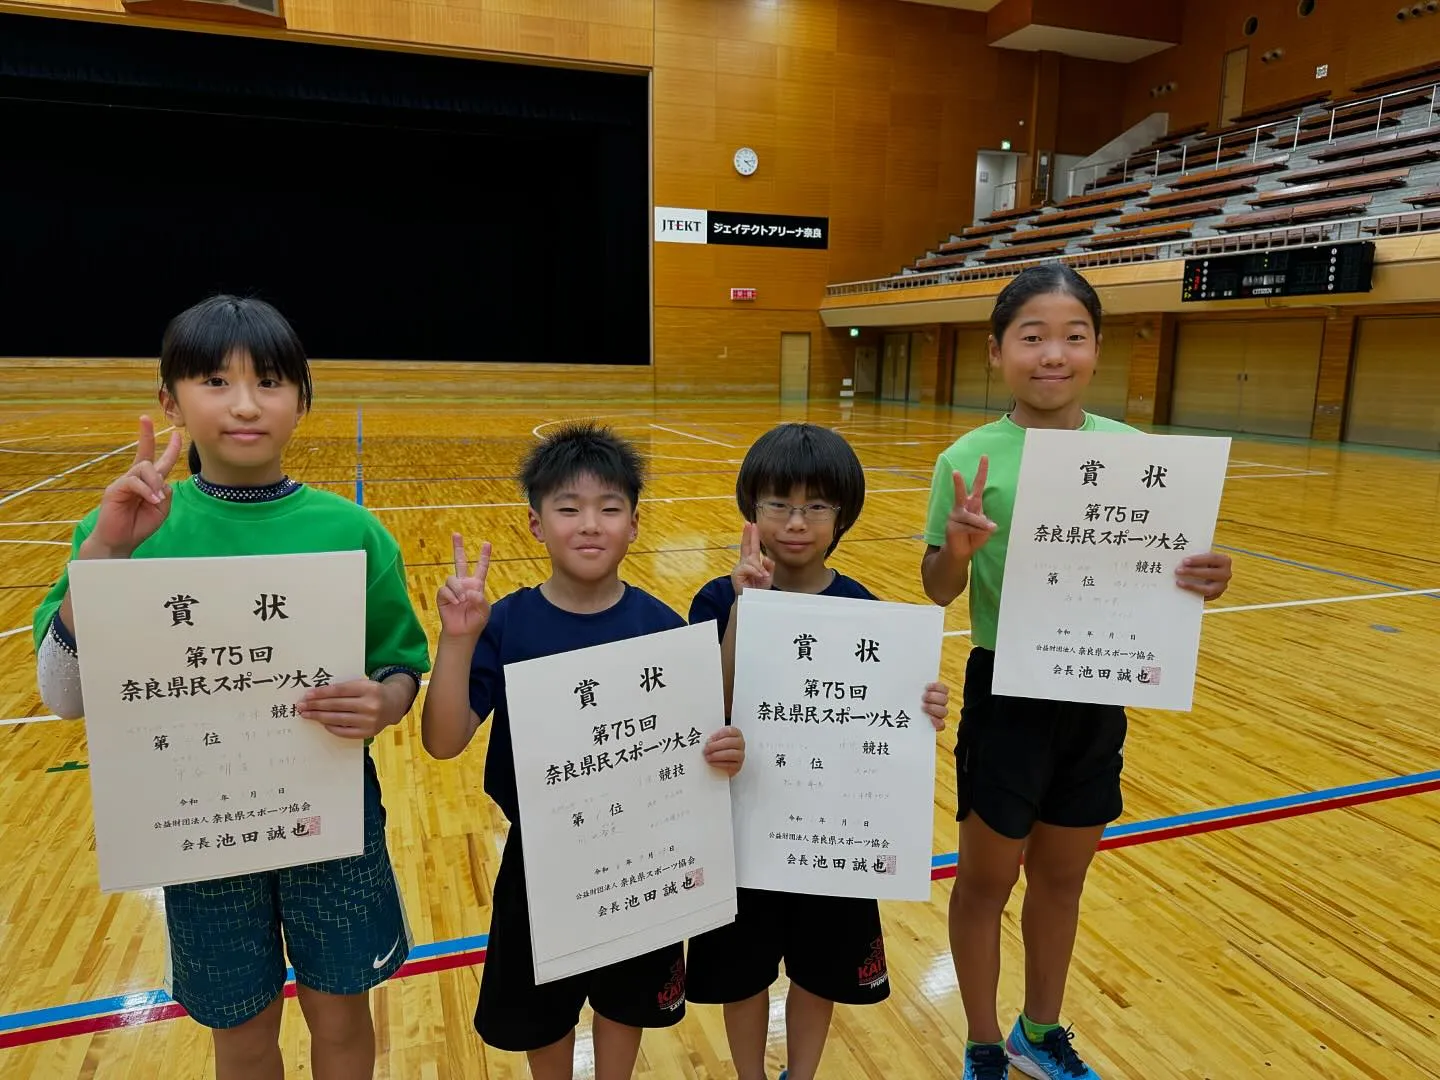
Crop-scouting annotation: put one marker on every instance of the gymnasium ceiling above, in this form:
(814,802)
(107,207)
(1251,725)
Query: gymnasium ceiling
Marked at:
(1017,24)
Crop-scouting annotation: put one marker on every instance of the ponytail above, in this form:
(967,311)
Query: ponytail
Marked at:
(194,459)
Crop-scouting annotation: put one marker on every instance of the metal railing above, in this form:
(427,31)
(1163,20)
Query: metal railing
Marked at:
(1286,236)
(1200,154)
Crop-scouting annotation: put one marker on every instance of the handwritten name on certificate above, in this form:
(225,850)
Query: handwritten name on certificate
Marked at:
(1090,610)
(837,796)
(200,765)
(626,830)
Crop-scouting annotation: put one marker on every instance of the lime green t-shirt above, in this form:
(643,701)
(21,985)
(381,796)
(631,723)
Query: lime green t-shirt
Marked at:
(310,520)
(1003,441)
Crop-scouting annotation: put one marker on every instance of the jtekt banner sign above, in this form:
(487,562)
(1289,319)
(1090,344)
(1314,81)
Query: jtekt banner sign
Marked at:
(674,225)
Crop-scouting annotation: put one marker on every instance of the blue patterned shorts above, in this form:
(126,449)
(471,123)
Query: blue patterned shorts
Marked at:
(341,922)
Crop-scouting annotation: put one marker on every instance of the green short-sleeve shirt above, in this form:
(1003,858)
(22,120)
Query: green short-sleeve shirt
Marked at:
(1003,442)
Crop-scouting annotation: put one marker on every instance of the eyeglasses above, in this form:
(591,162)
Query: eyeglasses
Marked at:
(818,512)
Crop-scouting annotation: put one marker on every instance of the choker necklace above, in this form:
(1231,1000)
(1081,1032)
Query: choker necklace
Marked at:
(266,493)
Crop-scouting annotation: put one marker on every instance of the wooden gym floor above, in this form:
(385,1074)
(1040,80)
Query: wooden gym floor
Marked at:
(1270,904)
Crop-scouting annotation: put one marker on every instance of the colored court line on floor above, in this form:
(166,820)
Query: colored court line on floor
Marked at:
(129,1010)
(1317,569)
(359,456)
(133,1010)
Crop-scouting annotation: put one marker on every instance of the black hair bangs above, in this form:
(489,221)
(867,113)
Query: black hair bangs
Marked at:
(581,449)
(806,456)
(1051,277)
(200,341)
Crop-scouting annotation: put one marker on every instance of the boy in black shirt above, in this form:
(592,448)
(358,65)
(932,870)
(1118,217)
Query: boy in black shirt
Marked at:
(583,485)
(800,489)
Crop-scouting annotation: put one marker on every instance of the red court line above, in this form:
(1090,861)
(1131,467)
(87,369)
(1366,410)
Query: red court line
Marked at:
(131,1018)
(156,1013)
(1260,816)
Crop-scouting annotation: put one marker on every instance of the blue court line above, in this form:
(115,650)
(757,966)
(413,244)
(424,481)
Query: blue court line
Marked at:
(123,1002)
(1262,805)
(1318,569)
(1219,813)
(359,456)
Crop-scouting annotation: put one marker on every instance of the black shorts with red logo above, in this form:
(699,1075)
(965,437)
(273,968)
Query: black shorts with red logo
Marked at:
(832,946)
(515,1014)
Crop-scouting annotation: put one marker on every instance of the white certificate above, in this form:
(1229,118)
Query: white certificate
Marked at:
(837,796)
(1090,610)
(200,765)
(626,833)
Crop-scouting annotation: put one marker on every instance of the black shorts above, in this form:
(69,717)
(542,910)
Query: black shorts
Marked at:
(832,946)
(514,1014)
(1023,760)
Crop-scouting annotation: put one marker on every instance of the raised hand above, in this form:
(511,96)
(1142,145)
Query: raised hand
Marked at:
(136,504)
(968,529)
(1207,574)
(755,570)
(464,611)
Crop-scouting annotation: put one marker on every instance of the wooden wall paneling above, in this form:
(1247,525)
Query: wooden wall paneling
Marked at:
(714,352)
(854,111)
(1124,18)
(1395,392)
(1108,393)
(1333,382)
(925,363)
(1376,43)
(1044,121)
(605,32)
(1165,330)
(1091,105)
(970,376)
(1282,363)
(1358,39)
(945,371)
(1151,369)
(404,380)
(832,360)
(1209,360)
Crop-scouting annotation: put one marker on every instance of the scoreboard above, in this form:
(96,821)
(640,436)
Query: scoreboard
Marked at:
(1308,271)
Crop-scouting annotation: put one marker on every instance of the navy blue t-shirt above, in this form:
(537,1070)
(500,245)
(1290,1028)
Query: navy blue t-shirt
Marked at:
(525,625)
(716,598)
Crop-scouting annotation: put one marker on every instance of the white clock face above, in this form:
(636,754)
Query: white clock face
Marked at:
(746,161)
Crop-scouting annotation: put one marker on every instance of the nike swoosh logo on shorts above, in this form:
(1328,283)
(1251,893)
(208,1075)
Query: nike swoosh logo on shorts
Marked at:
(381,961)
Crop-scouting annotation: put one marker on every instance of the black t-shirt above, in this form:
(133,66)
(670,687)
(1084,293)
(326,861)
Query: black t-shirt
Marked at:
(524,626)
(716,598)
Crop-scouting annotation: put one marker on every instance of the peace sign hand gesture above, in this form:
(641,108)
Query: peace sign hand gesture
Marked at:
(968,529)
(756,570)
(464,611)
(136,504)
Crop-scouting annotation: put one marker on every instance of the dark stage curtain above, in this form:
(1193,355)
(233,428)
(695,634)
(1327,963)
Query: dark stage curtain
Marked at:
(392,205)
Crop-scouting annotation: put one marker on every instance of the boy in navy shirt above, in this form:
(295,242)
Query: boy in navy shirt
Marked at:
(800,489)
(583,486)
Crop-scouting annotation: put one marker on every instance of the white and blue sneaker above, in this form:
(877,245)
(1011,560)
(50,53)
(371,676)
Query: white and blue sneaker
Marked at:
(1053,1059)
(986,1061)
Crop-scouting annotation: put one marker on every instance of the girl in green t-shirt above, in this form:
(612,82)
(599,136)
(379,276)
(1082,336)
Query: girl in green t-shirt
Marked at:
(233,375)
(1035,778)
